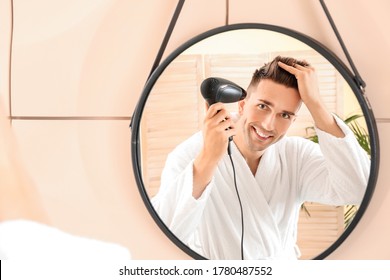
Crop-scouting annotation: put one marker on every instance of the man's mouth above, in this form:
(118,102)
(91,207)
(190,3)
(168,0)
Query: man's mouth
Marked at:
(261,134)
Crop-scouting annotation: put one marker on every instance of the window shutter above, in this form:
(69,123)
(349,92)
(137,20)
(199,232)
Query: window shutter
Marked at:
(170,116)
(320,230)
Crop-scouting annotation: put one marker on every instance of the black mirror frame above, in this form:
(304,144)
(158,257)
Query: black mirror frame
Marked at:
(329,55)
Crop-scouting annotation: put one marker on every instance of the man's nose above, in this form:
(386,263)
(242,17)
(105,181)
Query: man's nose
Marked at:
(269,122)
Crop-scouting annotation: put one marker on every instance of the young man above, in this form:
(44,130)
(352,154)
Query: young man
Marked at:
(274,174)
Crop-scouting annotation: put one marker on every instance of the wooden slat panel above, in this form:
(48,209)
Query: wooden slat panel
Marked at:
(170,116)
(319,230)
(237,68)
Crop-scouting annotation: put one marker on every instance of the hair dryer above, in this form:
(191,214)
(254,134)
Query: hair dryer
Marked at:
(215,90)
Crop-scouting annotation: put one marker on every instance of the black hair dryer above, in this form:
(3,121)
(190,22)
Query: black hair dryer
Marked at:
(215,90)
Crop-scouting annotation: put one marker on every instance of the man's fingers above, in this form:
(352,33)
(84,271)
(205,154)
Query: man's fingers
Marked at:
(226,125)
(218,112)
(288,68)
(213,109)
(296,68)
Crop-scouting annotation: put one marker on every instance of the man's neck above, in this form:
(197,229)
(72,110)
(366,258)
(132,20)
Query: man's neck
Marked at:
(252,158)
(253,164)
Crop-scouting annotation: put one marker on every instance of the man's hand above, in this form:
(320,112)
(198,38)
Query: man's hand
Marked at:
(218,126)
(307,83)
(310,94)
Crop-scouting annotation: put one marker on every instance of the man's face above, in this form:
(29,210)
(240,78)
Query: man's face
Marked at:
(267,114)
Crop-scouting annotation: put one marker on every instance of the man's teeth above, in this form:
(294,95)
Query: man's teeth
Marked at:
(262,134)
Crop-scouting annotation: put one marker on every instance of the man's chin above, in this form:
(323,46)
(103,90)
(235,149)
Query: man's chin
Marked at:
(265,144)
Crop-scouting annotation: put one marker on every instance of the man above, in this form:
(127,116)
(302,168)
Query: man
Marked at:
(274,174)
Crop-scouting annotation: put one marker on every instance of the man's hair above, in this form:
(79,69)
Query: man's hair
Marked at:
(272,71)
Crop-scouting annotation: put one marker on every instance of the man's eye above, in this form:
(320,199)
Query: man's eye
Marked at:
(262,106)
(285,116)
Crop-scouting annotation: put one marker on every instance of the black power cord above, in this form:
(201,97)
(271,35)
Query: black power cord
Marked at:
(239,200)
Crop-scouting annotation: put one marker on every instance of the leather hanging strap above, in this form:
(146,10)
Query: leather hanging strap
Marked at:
(164,43)
(167,36)
(358,79)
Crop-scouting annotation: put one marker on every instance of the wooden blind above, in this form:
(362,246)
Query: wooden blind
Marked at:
(172,114)
(319,229)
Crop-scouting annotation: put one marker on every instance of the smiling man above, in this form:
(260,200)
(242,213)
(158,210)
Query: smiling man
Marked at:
(274,174)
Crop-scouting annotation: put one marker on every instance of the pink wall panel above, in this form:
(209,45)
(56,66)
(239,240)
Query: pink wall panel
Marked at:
(83,172)
(84,63)
(5,47)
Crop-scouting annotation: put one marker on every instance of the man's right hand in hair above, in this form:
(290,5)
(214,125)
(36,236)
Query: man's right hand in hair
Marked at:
(218,126)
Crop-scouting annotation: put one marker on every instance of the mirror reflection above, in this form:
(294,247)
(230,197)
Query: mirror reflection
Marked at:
(300,155)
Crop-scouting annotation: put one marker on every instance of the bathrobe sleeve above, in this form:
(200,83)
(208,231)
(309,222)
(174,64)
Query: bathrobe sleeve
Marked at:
(336,171)
(174,202)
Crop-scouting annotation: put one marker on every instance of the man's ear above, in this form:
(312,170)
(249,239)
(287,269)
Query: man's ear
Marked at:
(241,105)
(206,106)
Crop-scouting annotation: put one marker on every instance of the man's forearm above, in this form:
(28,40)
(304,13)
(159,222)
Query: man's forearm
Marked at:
(203,171)
(324,120)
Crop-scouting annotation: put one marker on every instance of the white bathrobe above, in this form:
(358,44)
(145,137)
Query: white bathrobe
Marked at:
(290,172)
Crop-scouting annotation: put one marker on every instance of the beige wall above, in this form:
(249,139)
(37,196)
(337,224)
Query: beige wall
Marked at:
(91,59)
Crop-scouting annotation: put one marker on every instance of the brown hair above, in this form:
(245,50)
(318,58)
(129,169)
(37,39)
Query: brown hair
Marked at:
(272,71)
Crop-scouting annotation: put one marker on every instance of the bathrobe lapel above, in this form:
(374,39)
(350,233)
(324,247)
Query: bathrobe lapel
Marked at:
(263,234)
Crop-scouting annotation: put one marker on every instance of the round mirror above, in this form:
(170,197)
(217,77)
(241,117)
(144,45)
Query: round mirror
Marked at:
(171,110)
